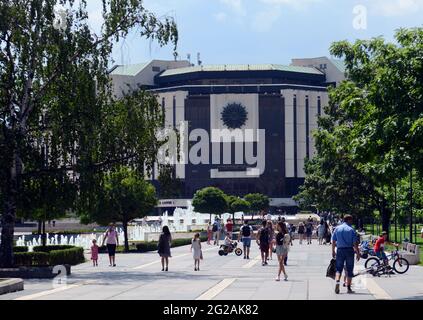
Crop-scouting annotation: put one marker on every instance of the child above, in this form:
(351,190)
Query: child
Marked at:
(196,250)
(94,253)
(228,241)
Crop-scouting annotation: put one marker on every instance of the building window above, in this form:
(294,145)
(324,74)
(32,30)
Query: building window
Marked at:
(156,69)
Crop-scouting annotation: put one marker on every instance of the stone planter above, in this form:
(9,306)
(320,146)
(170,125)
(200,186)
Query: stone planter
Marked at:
(11,285)
(32,272)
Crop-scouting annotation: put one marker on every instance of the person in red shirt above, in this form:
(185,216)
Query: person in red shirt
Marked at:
(229,228)
(379,247)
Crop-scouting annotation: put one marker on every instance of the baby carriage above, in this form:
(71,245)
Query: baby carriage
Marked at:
(226,249)
(366,249)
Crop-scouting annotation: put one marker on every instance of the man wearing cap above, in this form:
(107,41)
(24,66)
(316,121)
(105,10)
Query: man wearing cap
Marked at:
(345,240)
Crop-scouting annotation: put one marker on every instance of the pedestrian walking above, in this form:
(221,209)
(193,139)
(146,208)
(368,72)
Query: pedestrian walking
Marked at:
(345,240)
(209,232)
(216,231)
(272,240)
(309,231)
(165,242)
(321,231)
(301,232)
(112,241)
(229,228)
(196,251)
(282,247)
(292,233)
(263,242)
(94,253)
(245,235)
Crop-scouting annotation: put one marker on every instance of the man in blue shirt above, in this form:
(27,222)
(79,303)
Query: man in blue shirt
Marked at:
(346,241)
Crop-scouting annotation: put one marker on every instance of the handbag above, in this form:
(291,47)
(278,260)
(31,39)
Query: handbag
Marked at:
(201,255)
(331,271)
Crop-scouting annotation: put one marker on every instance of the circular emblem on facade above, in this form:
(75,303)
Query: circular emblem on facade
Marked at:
(234,115)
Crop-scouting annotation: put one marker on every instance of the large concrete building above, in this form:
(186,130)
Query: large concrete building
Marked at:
(269,110)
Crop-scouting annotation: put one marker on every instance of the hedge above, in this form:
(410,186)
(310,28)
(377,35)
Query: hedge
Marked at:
(72,256)
(20,249)
(52,248)
(31,259)
(50,256)
(150,246)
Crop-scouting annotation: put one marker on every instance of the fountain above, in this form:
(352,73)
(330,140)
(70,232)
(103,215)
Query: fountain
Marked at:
(183,220)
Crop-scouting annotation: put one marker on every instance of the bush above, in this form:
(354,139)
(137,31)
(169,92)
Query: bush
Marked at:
(20,249)
(180,242)
(31,259)
(50,256)
(71,256)
(48,249)
(146,246)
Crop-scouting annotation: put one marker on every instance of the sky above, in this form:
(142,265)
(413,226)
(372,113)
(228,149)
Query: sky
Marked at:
(264,31)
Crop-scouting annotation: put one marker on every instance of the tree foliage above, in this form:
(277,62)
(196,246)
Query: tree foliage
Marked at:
(258,202)
(126,196)
(371,135)
(57,113)
(210,200)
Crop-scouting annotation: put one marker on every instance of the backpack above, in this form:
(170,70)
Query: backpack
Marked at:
(214,227)
(246,231)
(264,235)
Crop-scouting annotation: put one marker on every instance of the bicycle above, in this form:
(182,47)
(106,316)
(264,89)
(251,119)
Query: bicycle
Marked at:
(377,266)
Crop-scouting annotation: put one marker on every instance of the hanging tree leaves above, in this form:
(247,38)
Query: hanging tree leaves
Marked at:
(58,117)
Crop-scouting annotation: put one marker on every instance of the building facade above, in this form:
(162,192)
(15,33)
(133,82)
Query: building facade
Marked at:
(246,128)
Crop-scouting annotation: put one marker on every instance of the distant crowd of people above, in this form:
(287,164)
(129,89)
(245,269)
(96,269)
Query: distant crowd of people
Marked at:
(272,237)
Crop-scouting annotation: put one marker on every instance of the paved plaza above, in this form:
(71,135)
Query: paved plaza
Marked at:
(138,277)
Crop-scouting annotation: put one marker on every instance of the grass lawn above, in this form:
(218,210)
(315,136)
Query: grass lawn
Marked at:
(390,248)
(401,233)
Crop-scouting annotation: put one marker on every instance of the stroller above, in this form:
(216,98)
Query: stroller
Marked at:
(366,249)
(233,247)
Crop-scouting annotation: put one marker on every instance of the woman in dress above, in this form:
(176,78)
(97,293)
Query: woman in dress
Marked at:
(282,247)
(301,231)
(164,244)
(112,242)
(196,251)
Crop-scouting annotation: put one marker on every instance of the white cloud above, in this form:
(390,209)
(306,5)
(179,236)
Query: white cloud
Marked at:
(296,4)
(237,6)
(392,8)
(221,16)
(264,20)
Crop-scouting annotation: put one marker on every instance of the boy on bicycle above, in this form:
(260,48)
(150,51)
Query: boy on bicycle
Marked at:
(379,247)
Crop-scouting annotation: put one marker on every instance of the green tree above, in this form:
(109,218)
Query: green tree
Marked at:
(371,135)
(126,196)
(377,111)
(169,185)
(46,197)
(210,200)
(55,91)
(236,204)
(258,202)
